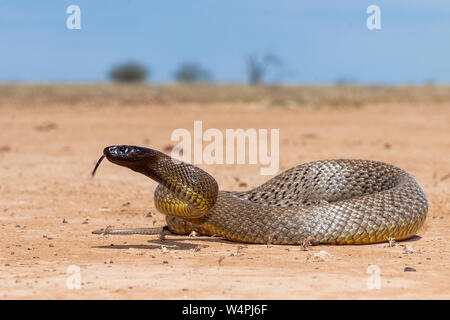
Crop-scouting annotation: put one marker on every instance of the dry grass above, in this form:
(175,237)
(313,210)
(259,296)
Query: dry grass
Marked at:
(270,95)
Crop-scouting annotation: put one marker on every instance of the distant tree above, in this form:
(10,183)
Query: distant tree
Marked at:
(345,81)
(429,81)
(129,72)
(257,68)
(191,72)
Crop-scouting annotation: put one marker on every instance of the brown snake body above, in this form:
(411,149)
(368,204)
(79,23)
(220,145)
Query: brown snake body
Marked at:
(330,201)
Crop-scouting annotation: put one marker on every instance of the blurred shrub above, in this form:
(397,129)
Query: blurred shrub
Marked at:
(192,72)
(129,72)
(257,67)
(345,81)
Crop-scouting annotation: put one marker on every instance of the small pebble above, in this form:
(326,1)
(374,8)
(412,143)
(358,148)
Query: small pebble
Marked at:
(409,249)
(409,269)
(163,249)
(193,234)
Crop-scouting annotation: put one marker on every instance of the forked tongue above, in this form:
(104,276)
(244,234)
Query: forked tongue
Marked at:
(98,163)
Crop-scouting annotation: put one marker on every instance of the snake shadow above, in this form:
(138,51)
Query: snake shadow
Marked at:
(181,244)
(169,243)
(413,238)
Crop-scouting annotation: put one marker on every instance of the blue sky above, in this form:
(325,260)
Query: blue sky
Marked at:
(318,41)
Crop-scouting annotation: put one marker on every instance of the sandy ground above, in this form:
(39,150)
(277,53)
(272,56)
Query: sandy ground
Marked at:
(49,205)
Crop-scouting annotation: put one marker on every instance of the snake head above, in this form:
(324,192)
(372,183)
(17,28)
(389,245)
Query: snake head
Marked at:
(132,157)
(124,153)
(128,156)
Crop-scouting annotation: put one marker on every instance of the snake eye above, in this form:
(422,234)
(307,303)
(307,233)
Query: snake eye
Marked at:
(122,149)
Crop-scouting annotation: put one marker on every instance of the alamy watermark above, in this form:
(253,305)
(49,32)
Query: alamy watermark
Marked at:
(233,147)
(74,280)
(74,20)
(374,281)
(374,20)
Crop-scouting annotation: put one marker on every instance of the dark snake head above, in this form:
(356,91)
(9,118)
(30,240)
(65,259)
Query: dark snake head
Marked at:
(132,157)
(126,155)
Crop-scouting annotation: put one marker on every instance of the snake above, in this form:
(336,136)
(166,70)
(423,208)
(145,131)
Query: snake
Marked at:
(341,201)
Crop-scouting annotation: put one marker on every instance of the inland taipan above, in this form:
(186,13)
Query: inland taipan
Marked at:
(330,201)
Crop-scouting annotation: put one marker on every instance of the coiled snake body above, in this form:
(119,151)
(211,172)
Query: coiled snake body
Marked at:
(330,201)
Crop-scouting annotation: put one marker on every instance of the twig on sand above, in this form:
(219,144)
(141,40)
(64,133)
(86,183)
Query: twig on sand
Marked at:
(391,241)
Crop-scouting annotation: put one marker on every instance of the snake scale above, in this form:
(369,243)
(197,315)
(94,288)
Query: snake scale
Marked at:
(330,201)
